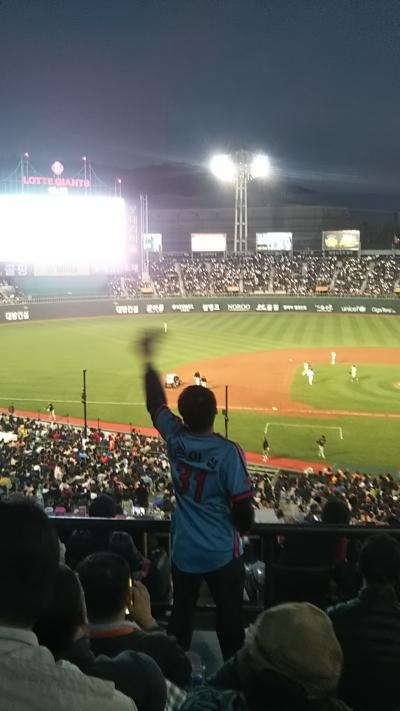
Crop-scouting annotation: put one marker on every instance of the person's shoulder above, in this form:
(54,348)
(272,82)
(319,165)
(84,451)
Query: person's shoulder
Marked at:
(230,445)
(342,609)
(98,693)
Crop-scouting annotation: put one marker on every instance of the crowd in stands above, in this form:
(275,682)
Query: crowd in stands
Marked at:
(165,277)
(64,470)
(297,274)
(369,499)
(77,627)
(9,293)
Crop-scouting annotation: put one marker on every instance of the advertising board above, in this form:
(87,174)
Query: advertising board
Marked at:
(341,240)
(152,242)
(274,241)
(136,307)
(208,242)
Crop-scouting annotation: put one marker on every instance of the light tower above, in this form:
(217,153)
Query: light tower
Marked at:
(240,169)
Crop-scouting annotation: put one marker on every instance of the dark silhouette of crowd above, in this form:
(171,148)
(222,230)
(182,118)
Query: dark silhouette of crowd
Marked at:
(298,274)
(78,617)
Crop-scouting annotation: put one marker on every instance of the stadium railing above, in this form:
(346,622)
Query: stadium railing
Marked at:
(266,534)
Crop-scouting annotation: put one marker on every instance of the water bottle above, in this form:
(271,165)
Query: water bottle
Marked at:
(198,669)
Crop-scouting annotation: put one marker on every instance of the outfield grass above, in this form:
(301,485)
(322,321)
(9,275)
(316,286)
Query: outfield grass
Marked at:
(374,391)
(42,361)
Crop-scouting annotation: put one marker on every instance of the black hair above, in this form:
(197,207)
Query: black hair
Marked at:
(29,555)
(198,407)
(335,511)
(103,506)
(105,581)
(380,559)
(56,627)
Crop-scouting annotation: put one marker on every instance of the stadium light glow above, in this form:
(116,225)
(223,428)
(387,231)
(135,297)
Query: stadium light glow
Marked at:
(240,168)
(260,166)
(223,167)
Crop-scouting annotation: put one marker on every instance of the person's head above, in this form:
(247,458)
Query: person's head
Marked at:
(336,511)
(65,616)
(198,408)
(103,506)
(29,555)
(380,560)
(105,581)
(295,641)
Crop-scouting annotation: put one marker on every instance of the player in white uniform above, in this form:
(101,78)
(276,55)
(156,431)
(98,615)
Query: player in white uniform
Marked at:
(310,375)
(165,327)
(197,378)
(203,382)
(333,357)
(353,373)
(306,366)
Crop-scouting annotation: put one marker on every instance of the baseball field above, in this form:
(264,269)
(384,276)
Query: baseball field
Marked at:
(259,356)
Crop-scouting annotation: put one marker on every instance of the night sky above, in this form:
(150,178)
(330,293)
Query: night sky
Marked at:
(314,83)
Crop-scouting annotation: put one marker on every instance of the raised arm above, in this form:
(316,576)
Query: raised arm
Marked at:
(155,395)
(156,402)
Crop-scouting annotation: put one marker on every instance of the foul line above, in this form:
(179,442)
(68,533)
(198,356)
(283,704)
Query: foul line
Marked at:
(292,412)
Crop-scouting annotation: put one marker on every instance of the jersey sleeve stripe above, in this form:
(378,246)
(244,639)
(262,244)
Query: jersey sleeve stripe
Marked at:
(244,495)
(241,455)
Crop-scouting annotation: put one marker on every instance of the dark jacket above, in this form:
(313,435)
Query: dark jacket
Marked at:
(264,690)
(170,657)
(136,675)
(368,629)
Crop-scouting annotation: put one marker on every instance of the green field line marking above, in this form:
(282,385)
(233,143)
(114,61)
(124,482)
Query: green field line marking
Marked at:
(313,427)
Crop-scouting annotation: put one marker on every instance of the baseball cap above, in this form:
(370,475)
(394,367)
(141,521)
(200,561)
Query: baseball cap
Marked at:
(298,641)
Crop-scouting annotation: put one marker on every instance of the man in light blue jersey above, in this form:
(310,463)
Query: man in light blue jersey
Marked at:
(214,507)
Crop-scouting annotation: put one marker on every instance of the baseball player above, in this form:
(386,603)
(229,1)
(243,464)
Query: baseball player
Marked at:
(265,448)
(310,375)
(333,357)
(165,327)
(52,414)
(197,378)
(203,381)
(353,373)
(321,442)
(306,366)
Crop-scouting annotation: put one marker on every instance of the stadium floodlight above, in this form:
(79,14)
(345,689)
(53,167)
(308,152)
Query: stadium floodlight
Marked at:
(260,166)
(223,167)
(26,155)
(241,168)
(84,158)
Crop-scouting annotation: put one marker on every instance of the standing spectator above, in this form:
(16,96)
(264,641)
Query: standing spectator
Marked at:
(368,629)
(214,506)
(30,678)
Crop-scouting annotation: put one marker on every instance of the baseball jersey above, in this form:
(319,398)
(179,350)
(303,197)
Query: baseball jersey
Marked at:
(209,475)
